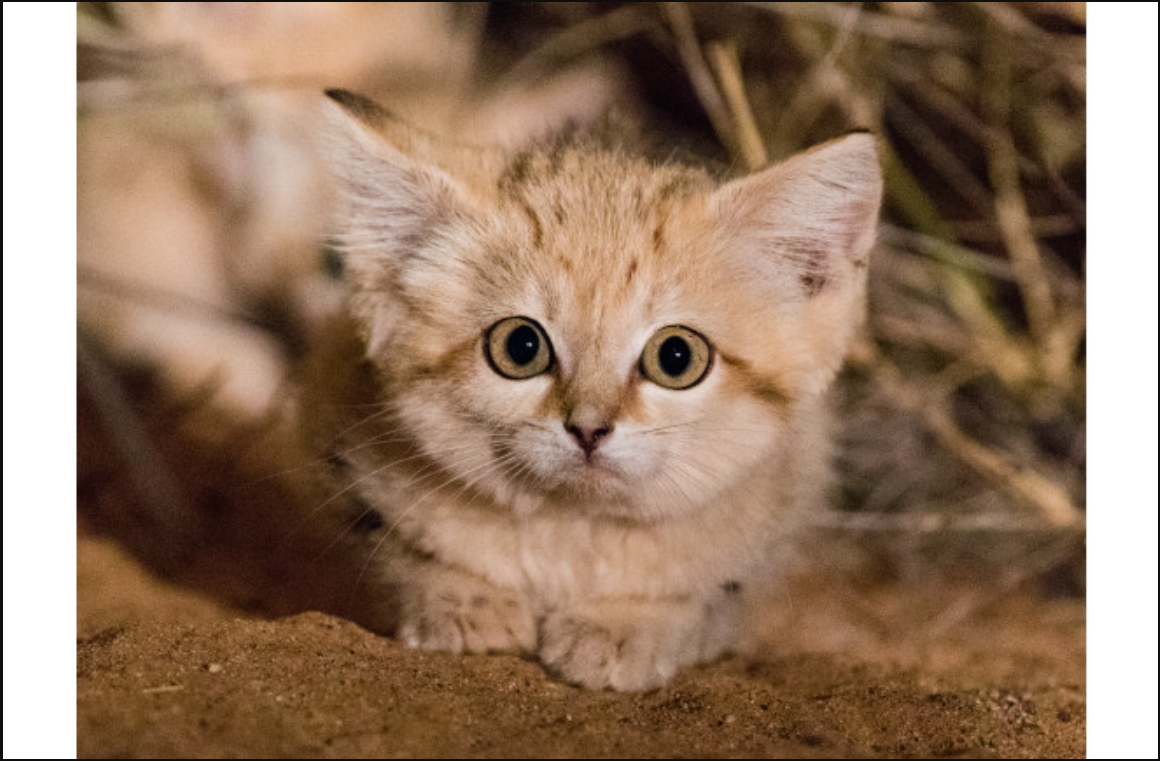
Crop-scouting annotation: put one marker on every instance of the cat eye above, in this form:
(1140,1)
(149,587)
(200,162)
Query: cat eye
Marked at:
(518,348)
(676,357)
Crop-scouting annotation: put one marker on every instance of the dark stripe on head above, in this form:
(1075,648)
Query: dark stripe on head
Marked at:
(534,220)
(767,389)
(446,361)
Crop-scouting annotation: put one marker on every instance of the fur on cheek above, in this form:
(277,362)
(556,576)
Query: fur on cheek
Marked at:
(468,422)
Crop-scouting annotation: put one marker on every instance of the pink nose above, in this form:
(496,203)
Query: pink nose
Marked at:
(589,438)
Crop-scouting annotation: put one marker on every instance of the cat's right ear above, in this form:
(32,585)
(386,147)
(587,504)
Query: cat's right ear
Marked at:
(393,189)
(399,207)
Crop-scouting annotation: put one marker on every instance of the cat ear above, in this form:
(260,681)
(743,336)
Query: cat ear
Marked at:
(801,233)
(394,187)
(401,206)
(807,223)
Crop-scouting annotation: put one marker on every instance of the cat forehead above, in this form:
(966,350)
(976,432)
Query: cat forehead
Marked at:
(581,179)
(600,224)
(582,205)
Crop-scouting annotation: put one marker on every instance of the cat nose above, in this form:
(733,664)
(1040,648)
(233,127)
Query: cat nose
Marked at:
(588,437)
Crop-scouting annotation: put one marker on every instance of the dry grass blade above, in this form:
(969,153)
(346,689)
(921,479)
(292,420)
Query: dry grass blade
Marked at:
(824,85)
(897,29)
(1010,205)
(727,67)
(681,23)
(955,112)
(962,608)
(945,252)
(1051,501)
(928,401)
(940,156)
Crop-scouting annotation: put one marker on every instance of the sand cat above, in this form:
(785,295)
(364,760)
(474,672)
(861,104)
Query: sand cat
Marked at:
(582,396)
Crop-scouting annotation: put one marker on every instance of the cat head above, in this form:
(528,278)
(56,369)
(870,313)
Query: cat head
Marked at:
(570,327)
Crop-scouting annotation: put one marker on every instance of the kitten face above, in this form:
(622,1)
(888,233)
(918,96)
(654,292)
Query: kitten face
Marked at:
(574,330)
(587,294)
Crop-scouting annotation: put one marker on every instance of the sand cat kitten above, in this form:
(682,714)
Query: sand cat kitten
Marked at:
(587,393)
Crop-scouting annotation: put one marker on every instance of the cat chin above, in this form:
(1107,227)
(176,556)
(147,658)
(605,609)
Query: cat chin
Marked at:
(587,498)
(587,501)
(524,504)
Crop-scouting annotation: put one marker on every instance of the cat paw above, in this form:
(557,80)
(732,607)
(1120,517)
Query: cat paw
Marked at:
(467,620)
(625,656)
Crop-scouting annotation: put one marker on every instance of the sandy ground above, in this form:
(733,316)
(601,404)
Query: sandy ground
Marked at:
(165,671)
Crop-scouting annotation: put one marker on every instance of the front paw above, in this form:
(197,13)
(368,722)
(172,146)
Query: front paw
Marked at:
(461,615)
(626,655)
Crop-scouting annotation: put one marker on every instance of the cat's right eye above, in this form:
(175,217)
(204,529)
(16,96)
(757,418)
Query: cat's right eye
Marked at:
(518,348)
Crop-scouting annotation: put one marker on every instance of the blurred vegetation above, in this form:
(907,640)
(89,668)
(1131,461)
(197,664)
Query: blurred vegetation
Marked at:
(963,406)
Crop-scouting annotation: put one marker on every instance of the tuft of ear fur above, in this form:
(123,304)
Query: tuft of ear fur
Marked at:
(811,218)
(400,207)
(394,191)
(802,230)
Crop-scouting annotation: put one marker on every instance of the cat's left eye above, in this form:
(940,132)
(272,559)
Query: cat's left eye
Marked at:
(518,348)
(676,357)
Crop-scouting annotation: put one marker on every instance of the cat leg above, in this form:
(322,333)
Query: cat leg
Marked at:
(443,608)
(634,644)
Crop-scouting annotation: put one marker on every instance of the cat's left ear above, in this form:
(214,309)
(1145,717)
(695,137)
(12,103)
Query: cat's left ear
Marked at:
(800,233)
(807,223)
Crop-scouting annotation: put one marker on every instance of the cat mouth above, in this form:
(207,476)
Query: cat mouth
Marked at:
(596,470)
(594,476)
(567,473)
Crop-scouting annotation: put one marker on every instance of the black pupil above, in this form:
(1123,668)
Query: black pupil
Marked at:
(523,345)
(675,356)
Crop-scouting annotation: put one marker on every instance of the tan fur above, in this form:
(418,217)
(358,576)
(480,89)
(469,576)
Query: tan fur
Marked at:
(498,530)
